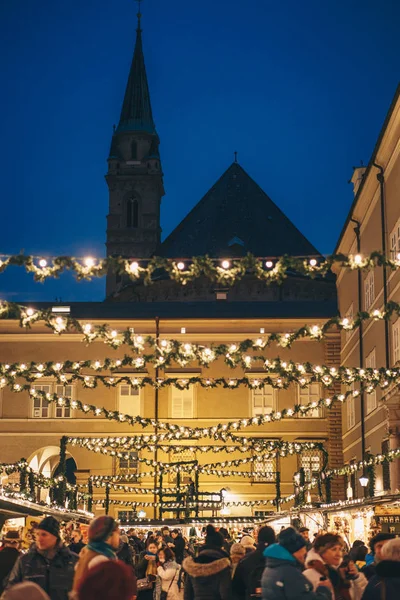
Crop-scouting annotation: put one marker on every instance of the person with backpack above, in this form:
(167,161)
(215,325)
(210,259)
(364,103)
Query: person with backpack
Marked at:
(246,582)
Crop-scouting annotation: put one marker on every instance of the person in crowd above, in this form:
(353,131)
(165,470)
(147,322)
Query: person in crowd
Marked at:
(76,544)
(146,571)
(354,548)
(103,542)
(125,552)
(8,556)
(359,555)
(325,560)
(248,573)
(237,552)
(305,532)
(25,591)
(178,545)
(282,578)
(135,542)
(107,580)
(376,544)
(208,576)
(48,563)
(166,536)
(248,543)
(168,572)
(227,539)
(385,584)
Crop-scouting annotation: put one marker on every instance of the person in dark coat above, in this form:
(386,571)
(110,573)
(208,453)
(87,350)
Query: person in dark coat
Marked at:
(251,567)
(48,563)
(282,578)
(76,545)
(209,575)
(8,556)
(386,582)
(147,569)
(124,552)
(376,544)
(178,545)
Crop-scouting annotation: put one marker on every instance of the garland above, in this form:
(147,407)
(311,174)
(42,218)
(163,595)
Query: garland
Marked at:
(371,475)
(226,272)
(302,373)
(111,337)
(62,487)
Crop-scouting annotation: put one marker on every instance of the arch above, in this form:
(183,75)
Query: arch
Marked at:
(46,461)
(132,212)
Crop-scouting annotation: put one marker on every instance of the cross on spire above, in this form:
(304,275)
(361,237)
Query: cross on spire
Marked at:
(139,14)
(235,155)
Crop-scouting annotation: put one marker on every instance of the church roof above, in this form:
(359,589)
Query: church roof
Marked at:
(136,113)
(236,217)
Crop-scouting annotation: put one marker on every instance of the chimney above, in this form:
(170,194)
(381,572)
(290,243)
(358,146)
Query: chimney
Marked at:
(357,177)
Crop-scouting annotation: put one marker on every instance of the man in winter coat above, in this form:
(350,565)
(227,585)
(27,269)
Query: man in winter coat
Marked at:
(76,544)
(178,545)
(386,582)
(376,544)
(8,556)
(282,578)
(247,577)
(209,575)
(48,563)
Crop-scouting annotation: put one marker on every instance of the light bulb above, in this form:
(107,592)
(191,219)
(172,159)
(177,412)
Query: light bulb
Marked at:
(181,266)
(226,264)
(42,263)
(358,259)
(30,312)
(89,262)
(313,262)
(183,329)
(269,264)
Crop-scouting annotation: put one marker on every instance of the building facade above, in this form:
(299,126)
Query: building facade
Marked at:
(371,420)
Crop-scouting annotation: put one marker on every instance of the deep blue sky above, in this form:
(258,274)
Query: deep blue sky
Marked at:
(300,89)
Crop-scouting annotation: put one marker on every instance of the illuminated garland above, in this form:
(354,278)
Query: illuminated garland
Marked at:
(180,351)
(224,271)
(39,479)
(27,500)
(289,372)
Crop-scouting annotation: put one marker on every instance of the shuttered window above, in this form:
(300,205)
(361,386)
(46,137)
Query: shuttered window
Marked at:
(182,403)
(129,400)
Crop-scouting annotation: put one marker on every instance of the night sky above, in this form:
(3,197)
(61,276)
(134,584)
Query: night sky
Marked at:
(299,89)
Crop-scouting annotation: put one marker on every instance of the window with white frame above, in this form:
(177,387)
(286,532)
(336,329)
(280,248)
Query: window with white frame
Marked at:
(369,290)
(63,391)
(370,363)
(263,400)
(129,464)
(307,395)
(350,316)
(182,403)
(311,462)
(44,409)
(395,240)
(396,341)
(264,470)
(184,455)
(129,400)
(350,410)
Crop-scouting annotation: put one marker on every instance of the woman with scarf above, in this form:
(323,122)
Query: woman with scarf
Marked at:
(103,541)
(146,569)
(325,561)
(168,575)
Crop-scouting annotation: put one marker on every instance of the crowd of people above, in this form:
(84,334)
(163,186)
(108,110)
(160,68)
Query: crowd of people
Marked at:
(115,565)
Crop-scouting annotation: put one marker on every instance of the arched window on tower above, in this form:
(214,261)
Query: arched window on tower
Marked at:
(132,212)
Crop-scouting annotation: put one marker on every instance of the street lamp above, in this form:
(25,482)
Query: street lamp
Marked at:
(363,481)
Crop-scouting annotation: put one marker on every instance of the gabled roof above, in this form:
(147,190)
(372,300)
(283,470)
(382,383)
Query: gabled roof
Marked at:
(237,210)
(136,113)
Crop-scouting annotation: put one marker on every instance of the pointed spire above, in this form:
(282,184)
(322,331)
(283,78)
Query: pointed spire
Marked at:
(136,113)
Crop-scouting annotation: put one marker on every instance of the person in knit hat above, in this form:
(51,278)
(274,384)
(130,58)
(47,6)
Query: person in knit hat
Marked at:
(247,579)
(103,542)
(282,577)
(48,563)
(248,543)
(237,552)
(8,555)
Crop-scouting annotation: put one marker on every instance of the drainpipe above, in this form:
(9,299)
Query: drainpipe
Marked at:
(156,419)
(381,178)
(360,344)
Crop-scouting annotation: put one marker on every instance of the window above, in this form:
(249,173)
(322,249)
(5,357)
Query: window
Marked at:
(395,240)
(350,410)
(262,400)
(264,470)
(127,516)
(311,462)
(129,400)
(129,464)
(350,316)
(132,213)
(311,393)
(369,290)
(396,341)
(370,363)
(182,403)
(43,409)
(184,455)
(64,391)
(41,406)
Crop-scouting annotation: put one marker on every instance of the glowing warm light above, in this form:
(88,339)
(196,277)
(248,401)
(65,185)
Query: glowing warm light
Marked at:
(358,259)
(42,263)
(269,264)
(181,266)
(89,262)
(226,264)
(313,262)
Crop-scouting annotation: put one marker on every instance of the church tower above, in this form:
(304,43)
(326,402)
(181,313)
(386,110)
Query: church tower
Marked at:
(134,177)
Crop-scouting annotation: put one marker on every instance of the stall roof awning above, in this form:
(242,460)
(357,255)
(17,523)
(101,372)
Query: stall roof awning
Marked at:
(13,507)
